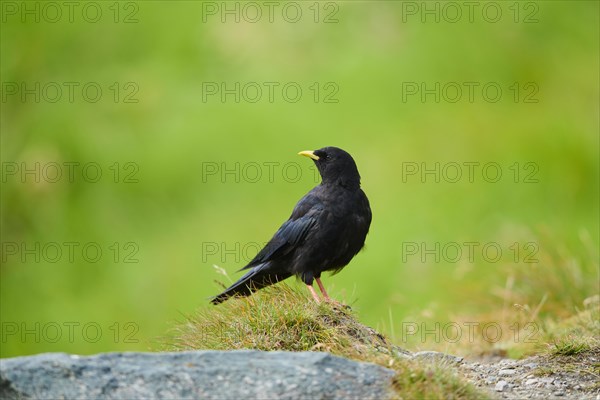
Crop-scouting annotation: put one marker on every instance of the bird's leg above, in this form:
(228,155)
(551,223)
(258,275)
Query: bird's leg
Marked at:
(314,294)
(327,298)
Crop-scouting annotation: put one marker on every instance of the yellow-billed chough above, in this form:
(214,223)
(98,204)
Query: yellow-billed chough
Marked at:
(325,231)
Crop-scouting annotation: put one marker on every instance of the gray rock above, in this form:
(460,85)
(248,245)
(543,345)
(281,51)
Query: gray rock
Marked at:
(507,372)
(501,386)
(436,356)
(531,381)
(192,375)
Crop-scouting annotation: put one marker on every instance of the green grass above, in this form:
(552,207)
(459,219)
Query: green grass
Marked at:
(577,334)
(277,318)
(552,303)
(417,381)
(569,347)
(280,318)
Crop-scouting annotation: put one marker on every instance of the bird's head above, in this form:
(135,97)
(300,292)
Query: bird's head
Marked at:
(335,166)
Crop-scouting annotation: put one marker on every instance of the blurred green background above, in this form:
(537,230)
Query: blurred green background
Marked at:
(158,127)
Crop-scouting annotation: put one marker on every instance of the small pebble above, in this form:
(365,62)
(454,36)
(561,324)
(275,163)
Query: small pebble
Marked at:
(500,386)
(507,372)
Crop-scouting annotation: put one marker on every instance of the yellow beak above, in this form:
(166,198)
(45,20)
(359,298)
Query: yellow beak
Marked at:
(309,154)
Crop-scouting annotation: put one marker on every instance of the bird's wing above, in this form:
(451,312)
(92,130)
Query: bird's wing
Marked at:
(292,232)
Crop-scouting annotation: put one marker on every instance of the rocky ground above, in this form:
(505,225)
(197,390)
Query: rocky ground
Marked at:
(352,373)
(574,376)
(538,377)
(281,375)
(240,374)
(562,377)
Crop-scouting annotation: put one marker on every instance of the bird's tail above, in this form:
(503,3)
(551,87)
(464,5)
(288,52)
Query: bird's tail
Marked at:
(257,278)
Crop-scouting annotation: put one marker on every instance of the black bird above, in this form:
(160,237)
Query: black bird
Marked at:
(325,231)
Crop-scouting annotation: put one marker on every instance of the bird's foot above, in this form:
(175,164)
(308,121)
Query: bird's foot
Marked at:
(334,303)
(314,294)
